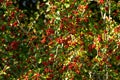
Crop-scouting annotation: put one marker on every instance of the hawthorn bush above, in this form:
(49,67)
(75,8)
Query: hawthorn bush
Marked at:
(60,40)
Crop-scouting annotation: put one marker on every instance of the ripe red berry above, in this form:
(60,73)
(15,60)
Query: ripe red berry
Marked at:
(3,27)
(14,45)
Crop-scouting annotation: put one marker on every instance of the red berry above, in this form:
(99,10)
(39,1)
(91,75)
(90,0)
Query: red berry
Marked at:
(3,28)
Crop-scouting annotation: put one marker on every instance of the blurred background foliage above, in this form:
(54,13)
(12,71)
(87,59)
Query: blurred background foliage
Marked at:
(59,39)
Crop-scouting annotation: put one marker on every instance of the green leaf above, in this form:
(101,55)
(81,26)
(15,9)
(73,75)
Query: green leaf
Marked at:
(67,5)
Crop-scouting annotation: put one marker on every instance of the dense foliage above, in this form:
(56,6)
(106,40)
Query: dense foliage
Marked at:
(59,40)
